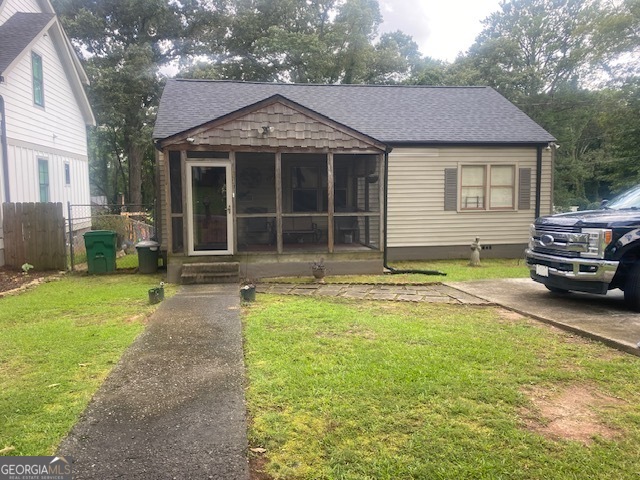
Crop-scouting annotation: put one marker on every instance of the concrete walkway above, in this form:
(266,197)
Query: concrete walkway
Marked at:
(173,408)
(399,293)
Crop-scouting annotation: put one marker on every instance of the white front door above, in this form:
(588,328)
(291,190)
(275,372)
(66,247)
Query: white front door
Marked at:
(209,205)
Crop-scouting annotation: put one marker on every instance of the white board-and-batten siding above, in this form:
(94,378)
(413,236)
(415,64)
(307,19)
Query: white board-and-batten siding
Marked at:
(416,203)
(24,175)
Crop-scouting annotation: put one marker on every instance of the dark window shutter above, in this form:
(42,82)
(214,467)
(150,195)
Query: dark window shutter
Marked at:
(451,189)
(524,189)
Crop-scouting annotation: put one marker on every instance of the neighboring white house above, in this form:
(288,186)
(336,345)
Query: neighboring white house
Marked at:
(44,111)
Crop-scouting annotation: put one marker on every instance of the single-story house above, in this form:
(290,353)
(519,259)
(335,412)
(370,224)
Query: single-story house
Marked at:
(275,176)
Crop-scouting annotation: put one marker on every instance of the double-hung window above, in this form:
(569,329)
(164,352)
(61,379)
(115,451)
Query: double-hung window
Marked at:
(67,173)
(474,179)
(502,187)
(487,187)
(38,79)
(43,179)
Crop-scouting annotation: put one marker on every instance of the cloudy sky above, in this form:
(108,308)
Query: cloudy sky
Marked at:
(442,28)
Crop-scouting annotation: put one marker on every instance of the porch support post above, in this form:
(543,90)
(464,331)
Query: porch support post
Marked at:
(367,206)
(166,208)
(382,210)
(234,217)
(330,196)
(185,221)
(279,201)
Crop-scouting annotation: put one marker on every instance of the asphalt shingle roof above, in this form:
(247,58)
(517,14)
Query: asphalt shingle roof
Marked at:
(390,114)
(17,32)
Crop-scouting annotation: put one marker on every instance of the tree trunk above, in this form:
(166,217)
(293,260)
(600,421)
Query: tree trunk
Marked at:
(135,174)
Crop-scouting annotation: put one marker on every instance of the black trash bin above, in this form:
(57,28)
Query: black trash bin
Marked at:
(147,256)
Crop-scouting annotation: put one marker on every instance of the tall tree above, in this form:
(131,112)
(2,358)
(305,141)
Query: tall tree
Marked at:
(530,47)
(312,41)
(125,43)
(550,57)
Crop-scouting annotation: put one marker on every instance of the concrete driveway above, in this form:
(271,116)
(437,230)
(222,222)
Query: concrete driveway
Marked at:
(600,317)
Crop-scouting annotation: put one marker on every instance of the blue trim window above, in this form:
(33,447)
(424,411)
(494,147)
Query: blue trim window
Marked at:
(43,179)
(67,173)
(38,79)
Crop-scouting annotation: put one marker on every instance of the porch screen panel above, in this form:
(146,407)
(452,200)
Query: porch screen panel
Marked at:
(256,202)
(177,219)
(357,201)
(304,183)
(175,173)
(255,182)
(356,183)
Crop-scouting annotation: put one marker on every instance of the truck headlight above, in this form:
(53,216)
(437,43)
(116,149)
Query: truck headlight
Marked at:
(599,238)
(532,235)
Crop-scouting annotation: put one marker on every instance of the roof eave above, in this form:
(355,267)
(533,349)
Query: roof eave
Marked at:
(75,73)
(437,143)
(28,47)
(181,136)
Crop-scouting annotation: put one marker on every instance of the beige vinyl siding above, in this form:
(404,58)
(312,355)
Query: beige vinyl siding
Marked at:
(9,7)
(546,199)
(416,215)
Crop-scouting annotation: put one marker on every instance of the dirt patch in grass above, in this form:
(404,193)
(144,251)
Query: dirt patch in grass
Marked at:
(16,280)
(569,414)
(257,468)
(352,332)
(509,315)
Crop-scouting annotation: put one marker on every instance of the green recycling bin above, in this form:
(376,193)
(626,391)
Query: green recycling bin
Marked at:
(101,251)
(147,256)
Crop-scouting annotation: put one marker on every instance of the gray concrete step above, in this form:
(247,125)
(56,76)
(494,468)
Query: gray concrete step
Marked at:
(213,272)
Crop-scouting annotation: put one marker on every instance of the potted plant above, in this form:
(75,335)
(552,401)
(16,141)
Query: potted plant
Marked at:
(319,270)
(248,291)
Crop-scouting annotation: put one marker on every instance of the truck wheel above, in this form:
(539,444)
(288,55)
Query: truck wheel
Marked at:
(632,288)
(556,290)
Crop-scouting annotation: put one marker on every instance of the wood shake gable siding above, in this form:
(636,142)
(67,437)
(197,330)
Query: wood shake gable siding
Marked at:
(416,205)
(289,129)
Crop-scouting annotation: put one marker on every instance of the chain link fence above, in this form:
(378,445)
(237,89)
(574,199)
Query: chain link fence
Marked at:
(132,224)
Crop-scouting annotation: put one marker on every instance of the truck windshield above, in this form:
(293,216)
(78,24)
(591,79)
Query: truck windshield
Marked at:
(628,199)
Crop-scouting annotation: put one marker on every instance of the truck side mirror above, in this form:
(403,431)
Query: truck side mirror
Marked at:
(604,203)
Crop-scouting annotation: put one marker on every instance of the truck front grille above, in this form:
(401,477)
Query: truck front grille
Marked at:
(558,240)
(556,251)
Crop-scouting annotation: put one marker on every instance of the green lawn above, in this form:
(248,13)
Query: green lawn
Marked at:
(58,342)
(376,390)
(456,270)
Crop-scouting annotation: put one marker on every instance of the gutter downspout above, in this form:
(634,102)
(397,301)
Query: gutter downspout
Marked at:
(4,151)
(390,270)
(538,179)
